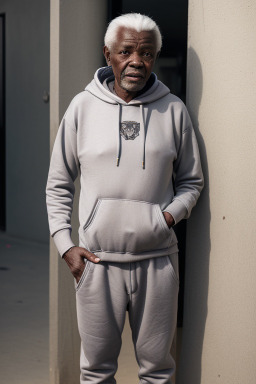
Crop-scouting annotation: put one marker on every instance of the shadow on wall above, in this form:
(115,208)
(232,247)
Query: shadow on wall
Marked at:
(197,249)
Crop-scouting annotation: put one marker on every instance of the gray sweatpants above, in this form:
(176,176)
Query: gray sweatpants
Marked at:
(148,289)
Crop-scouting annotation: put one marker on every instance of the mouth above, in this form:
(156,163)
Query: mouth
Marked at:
(134,76)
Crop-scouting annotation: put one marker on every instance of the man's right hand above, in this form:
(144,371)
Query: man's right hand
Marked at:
(74,258)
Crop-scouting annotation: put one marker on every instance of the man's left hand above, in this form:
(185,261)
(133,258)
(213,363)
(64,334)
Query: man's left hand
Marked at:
(169,219)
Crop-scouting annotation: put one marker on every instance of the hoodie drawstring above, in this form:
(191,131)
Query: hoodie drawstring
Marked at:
(118,136)
(143,133)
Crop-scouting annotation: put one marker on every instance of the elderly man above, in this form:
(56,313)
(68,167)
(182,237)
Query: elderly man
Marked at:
(132,144)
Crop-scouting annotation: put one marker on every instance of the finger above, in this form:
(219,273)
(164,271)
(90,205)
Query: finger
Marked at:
(75,262)
(78,273)
(77,278)
(91,257)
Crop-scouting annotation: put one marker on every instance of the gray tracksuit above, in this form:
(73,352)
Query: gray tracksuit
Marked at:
(135,160)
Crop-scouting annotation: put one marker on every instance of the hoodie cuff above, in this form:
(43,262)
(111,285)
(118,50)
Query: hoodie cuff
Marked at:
(63,240)
(178,210)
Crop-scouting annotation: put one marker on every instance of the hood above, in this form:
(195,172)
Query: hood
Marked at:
(153,90)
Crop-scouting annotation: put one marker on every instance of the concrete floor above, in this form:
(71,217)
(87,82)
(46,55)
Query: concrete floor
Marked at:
(24,325)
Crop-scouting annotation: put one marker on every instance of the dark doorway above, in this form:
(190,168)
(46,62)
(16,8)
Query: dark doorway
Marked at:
(2,125)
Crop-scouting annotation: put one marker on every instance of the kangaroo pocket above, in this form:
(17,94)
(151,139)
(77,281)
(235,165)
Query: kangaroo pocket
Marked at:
(126,226)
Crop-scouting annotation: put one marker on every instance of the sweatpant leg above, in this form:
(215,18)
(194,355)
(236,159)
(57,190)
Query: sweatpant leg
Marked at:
(153,316)
(101,299)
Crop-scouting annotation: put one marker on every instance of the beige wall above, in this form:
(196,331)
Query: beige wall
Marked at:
(220,305)
(76,51)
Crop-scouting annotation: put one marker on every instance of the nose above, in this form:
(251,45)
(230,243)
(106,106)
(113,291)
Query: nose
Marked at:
(136,61)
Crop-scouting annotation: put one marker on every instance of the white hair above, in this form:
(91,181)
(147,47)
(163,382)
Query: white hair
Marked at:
(133,21)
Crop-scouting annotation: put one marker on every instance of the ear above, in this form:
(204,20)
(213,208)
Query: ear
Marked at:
(106,53)
(158,54)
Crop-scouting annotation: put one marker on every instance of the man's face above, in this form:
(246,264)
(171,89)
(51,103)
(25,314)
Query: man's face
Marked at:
(132,58)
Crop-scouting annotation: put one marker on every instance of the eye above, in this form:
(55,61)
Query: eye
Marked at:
(124,52)
(147,54)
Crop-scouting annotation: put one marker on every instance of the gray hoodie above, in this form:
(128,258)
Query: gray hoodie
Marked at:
(135,160)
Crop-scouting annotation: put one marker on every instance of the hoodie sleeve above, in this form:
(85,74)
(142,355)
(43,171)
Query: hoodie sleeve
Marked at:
(188,176)
(60,189)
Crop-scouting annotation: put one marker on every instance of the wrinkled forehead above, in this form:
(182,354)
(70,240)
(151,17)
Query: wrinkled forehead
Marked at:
(126,36)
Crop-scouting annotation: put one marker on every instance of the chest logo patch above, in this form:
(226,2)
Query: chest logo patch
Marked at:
(130,130)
